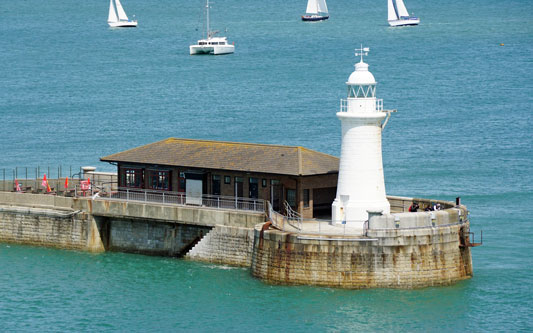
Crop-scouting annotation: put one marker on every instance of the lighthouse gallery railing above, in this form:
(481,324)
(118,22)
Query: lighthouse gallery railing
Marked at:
(344,105)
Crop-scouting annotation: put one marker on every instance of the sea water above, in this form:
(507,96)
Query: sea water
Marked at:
(73,90)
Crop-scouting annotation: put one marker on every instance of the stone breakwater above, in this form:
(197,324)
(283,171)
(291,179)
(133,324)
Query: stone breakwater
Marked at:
(225,245)
(45,227)
(218,236)
(427,250)
(401,250)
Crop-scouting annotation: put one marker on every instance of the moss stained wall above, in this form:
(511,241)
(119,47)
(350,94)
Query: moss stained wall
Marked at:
(397,258)
(46,228)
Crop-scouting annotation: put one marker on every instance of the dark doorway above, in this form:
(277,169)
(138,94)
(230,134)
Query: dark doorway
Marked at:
(276,194)
(254,188)
(216,185)
(239,188)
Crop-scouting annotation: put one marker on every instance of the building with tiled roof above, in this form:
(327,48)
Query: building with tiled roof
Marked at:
(305,178)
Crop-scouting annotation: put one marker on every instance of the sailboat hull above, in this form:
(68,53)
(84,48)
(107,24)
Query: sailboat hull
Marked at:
(404,22)
(314,18)
(123,24)
(211,49)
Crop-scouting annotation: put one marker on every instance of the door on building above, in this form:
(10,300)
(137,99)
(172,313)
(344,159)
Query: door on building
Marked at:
(276,194)
(215,185)
(253,188)
(194,185)
(239,187)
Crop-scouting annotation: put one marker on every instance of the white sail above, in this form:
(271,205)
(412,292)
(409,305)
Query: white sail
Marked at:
(392,11)
(402,11)
(312,7)
(121,13)
(322,7)
(112,13)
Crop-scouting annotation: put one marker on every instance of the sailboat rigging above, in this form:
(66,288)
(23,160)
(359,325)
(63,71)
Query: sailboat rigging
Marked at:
(118,18)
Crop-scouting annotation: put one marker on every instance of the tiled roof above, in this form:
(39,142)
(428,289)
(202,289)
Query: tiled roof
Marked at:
(249,157)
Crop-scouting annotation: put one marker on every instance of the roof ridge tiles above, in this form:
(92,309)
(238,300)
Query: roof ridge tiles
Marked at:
(233,142)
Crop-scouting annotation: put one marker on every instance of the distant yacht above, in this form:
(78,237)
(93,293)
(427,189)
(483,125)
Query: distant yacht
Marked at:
(211,44)
(317,10)
(122,19)
(398,14)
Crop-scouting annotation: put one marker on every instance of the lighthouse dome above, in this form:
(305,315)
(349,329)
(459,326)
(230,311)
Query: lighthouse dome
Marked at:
(361,75)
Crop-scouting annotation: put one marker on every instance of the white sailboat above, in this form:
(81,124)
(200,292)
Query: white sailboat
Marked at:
(211,44)
(317,10)
(121,19)
(398,15)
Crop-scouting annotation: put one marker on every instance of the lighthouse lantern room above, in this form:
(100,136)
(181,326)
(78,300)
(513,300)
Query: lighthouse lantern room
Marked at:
(361,184)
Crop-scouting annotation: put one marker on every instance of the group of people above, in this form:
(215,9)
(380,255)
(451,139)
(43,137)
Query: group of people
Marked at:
(432,207)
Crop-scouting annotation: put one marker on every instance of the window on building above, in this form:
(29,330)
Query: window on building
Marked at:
(306,197)
(182,182)
(132,177)
(160,179)
(274,182)
(264,182)
(362,91)
(291,198)
(216,185)
(227,179)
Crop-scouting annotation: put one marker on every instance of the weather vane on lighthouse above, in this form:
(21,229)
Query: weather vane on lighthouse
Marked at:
(362,51)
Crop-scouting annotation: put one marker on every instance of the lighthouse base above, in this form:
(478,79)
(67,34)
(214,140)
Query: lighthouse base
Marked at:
(355,214)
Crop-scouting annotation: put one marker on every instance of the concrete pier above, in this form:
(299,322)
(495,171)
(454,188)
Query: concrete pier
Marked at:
(107,225)
(402,250)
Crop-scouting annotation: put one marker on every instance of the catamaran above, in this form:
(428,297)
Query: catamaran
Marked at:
(211,44)
(398,15)
(121,20)
(317,10)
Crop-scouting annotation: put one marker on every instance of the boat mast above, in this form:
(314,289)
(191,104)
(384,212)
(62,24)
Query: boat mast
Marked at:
(207,15)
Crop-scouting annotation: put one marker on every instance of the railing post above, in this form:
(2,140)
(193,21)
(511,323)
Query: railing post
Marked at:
(254,206)
(145,198)
(128,194)
(163,197)
(218,202)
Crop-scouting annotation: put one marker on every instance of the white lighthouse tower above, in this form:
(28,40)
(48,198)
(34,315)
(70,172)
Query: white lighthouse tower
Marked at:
(361,185)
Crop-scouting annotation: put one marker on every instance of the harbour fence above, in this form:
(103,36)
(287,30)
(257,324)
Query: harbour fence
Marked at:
(177,198)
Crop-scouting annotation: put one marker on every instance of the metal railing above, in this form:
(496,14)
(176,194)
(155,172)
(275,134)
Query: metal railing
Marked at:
(180,198)
(283,222)
(344,105)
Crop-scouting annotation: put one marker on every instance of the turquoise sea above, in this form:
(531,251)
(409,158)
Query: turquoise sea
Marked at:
(73,90)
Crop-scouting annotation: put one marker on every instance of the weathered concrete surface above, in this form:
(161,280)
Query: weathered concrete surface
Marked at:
(153,238)
(406,250)
(99,225)
(398,259)
(181,214)
(225,245)
(49,227)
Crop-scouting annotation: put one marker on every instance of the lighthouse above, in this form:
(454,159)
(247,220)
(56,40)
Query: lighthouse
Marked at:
(361,184)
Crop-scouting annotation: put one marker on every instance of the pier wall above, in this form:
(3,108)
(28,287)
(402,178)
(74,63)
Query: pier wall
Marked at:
(153,237)
(101,225)
(225,245)
(49,227)
(408,257)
